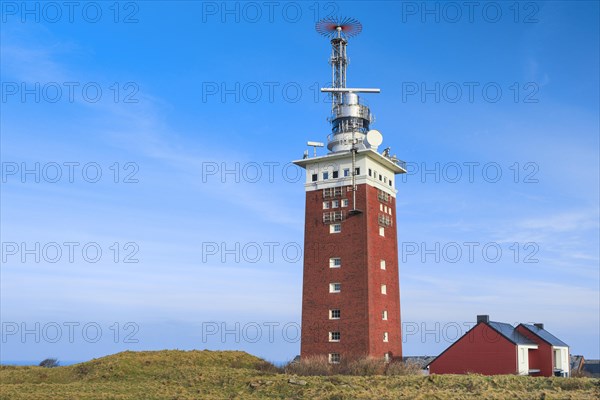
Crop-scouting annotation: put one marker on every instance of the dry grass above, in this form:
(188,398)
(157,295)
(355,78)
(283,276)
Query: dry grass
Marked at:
(211,375)
(319,366)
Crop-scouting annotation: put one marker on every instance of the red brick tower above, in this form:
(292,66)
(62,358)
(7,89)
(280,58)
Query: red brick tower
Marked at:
(351,294)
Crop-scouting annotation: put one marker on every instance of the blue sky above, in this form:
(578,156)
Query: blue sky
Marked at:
(189,90)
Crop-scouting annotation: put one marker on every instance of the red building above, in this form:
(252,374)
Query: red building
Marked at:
(493,348)
(351,294)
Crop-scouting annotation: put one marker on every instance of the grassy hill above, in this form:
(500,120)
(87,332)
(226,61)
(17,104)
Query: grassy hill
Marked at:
(238,375)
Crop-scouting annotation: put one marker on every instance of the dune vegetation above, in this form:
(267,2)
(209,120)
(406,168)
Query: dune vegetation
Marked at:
(207,374)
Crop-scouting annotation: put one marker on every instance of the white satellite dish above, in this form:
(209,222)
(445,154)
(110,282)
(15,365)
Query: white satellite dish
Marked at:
(374,138)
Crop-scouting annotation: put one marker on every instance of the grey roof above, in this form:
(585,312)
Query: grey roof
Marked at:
(545,335)
(420,361)
(592,367)
(510,333)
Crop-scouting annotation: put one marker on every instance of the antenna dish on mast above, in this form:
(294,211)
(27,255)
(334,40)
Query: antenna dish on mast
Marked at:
(332,26)
(374,138)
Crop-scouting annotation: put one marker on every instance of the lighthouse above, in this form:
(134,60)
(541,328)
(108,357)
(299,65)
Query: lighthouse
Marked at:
(351,291)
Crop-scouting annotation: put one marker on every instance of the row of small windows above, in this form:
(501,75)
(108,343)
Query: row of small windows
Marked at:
(382,178)
(335,174)
(385,209)
(346,173)
(335,204)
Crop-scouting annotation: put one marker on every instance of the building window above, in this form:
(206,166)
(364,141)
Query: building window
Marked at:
(334,358)
(390,210)
(334,336)
(385,209)
(335,228)
(385,337)
(325,175)
(344,202)
(335,174)
(346,171)
(390,182)
(325,205)
(370,172)
(385,179)
(335,262)
(381,231)
(335,287)
(334,314)
(384,315)
(382,264)
(314,177)
(335,204)
(386,357)
(380,177)
(383,289)
(357,171)
(380,207)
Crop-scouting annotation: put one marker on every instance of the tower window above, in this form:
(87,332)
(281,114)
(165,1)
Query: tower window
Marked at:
(335,204)
(385,337)
(381,231)
(334,336)
(335,228)
(383,289)
(370,172)
(390,182)
(384,315)
(380,177)
(325,205)
(344,202)
(346,171)
(325,175)
(382,264)
(334,314)
(335,174)
(335,287)
(335,262)
(357,171)
(334,358)
(315,177)
(380,207)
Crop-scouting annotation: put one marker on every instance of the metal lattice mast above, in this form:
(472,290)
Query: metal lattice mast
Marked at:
(339,64)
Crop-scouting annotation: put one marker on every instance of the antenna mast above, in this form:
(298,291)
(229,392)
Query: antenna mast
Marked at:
(349,119)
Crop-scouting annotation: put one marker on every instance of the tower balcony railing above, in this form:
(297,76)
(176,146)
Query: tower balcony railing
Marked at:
(333,216)
(333,192)
(343,139)
(384,220)
(383,196)
(351,110)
